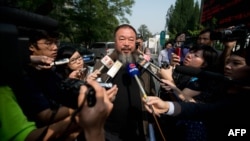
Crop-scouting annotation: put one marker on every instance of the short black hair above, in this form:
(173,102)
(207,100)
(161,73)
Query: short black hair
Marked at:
(124,26)
(207,30)
(168,42)
(36,35)
(139,36)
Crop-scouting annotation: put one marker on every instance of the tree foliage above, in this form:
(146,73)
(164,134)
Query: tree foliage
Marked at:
(83,21)
(183,17)
(144,31)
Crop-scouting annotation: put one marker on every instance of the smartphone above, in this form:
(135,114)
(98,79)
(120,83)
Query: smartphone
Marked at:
(178,51)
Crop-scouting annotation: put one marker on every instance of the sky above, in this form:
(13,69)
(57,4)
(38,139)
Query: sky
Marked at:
(152,13)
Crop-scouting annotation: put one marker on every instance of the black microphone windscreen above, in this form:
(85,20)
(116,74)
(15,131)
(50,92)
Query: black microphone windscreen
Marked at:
(200,73)
(187,70)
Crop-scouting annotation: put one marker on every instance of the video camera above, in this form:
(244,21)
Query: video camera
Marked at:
(234,34)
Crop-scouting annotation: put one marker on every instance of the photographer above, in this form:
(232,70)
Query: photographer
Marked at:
(14,123)
(91,119)
(139,43)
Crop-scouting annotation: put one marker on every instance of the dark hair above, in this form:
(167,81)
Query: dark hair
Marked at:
(210,56)
(124,26)
(139,36)
(65,52)
(206,31)
(178,34)
(168,42)
(36,35)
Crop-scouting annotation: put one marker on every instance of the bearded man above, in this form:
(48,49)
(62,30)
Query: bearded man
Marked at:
(128,119)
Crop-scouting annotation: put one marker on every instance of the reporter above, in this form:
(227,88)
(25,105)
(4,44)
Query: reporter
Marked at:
(219,116)
(14,123)
(77,69)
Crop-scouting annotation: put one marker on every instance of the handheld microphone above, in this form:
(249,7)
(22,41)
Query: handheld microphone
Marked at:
(60,62)
(145,65)
(106,85)
(107,62)
(154,68)
(113,70)
(134,72)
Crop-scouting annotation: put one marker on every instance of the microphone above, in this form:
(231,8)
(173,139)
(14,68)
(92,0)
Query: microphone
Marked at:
(200,73)
(113,70)
(146,64)
(60,62)
(134,72)
(107,62)
(154,68)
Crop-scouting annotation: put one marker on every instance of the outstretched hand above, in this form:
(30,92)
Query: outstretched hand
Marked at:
(158,105)
(41,62)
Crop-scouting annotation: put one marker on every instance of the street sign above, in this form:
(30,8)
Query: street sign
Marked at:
(162,38)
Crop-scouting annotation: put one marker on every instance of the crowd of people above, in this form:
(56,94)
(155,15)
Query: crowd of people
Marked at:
(43,100)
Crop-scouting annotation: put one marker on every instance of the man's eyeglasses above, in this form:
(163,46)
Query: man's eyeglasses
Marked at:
(74,60)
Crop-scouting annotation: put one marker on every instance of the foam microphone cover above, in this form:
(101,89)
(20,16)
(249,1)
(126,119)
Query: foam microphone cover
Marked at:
(133,70)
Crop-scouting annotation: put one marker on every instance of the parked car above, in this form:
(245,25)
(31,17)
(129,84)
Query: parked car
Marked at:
(102,48)
(88,56)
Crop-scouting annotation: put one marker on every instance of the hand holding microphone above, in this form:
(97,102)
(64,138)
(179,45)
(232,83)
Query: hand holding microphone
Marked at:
(166,73)
(41,61)
(94,75)
(158,73)
(150,67)
(134,72)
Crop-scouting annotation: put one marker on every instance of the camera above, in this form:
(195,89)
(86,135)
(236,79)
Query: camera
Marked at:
(234,34)
(137,44)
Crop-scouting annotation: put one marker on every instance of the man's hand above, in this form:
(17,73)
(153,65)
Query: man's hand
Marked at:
(94,75)
(92,119)
(111,93)
(166,73)
(41,62)
(175,60)
(158,105)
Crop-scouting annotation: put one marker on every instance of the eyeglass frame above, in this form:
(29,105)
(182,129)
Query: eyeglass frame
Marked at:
(74,60)
(48,43)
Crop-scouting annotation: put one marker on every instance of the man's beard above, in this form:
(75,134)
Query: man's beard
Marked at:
(128,58)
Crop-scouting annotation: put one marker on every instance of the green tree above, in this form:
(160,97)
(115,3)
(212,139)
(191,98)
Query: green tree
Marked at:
(92,20)
(183,17)
(168,16)
(84,21)
(144,31)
